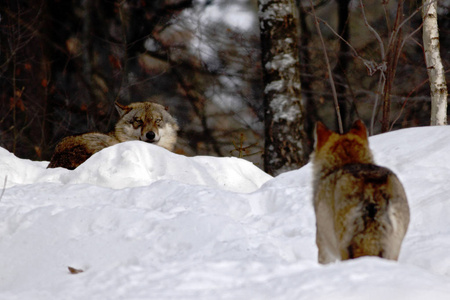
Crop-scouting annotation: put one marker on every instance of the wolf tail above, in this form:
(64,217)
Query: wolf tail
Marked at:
(372,228)
(378,221)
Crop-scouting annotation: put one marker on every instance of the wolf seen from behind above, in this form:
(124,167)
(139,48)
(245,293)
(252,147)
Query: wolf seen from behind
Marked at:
(145,121)
(361,208)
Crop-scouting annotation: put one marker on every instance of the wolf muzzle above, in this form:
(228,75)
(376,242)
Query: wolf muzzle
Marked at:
(150,135)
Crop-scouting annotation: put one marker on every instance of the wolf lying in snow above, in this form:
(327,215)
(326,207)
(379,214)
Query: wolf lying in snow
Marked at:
(145,121)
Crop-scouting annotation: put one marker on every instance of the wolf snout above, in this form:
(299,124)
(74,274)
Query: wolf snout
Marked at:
(150,136)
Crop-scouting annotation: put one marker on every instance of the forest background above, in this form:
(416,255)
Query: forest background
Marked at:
(64,63)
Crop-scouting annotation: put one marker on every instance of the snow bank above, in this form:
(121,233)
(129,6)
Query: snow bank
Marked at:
(144,223)
(133,164)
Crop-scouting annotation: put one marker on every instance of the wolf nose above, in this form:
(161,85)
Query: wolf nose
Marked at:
(150,135)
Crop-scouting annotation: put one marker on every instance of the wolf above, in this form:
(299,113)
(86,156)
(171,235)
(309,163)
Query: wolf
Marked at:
(145,121)
(361,208)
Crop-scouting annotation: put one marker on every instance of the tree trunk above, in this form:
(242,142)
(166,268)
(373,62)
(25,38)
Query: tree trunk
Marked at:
(435,69)
(284,132)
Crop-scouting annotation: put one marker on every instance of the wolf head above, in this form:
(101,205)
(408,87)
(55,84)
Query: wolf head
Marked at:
(334,150)
(148,122)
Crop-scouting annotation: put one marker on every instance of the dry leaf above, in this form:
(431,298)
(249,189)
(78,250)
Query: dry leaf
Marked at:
(74,271)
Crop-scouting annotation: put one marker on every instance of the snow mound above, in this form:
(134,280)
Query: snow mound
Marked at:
(143,223)
(135,163)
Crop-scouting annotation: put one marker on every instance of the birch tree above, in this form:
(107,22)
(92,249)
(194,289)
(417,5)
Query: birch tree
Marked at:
(284,132)
(435,68)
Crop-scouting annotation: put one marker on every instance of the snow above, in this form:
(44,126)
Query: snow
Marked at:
(212,20)
(283,109)
(237,14)
(145,223)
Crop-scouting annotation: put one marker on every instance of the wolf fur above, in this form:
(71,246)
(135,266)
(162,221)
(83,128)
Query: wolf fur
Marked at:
(361,208)
(146,121)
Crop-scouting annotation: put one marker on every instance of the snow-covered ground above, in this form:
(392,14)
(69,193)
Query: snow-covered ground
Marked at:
(144,223)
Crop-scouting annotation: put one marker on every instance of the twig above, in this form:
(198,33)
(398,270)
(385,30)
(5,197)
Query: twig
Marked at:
(404,22)
(407,98)
(375,33)
(241,149)
(370,65)
(338,36)
(381,67)
(381,83)
(4,187)
(398,55)
(330,74)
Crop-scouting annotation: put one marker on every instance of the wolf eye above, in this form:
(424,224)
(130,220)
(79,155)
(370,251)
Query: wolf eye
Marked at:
(158,121)
(136,122)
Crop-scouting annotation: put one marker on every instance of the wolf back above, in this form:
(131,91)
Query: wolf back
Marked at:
(146,121)
(361,208)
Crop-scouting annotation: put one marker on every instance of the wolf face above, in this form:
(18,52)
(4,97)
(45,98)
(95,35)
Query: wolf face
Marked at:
(145,121)
(148,122)
(361,208)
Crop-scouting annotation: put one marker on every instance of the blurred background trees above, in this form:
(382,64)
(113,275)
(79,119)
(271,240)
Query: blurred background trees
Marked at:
(63,63)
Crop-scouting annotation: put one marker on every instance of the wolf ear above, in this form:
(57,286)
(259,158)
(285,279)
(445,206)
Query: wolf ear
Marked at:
(359,129)
(322,133)
(121,109)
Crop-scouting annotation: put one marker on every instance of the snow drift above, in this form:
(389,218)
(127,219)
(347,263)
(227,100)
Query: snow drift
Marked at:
(143,223)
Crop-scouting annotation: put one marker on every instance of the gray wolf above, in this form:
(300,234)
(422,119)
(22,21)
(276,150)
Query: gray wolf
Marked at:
(361,208)
(145,121)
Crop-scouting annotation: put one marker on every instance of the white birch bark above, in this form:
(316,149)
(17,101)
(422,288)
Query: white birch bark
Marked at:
(285,138)
(435,68)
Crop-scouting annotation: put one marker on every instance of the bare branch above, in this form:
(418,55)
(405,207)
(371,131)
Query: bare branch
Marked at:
(381,84)
(330,73)
(375,33)
(4,187)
